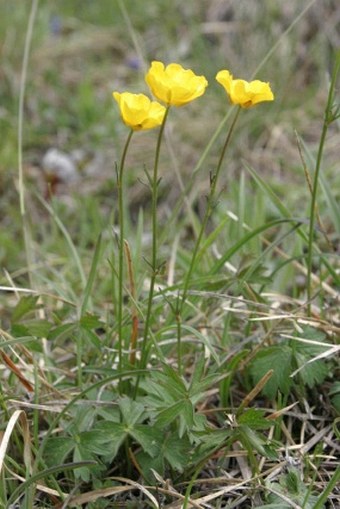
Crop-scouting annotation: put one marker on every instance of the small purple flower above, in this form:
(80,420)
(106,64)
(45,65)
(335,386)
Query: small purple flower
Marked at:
(55,25)
(134,63)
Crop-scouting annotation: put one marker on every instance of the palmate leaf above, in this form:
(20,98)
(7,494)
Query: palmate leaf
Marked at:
(284,359)
(175,453)
(163,390)
(292,488)
(278,358)
(109,436)
(315,372)
(113,435)
(132,411)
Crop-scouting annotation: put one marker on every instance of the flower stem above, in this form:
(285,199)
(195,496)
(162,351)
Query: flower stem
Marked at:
(120,188)
(208,211)
(153,264)
(328,119)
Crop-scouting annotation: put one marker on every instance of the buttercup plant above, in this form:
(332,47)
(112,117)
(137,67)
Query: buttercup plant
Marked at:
(203,334)
(139,113)
(244,95)
(175,86)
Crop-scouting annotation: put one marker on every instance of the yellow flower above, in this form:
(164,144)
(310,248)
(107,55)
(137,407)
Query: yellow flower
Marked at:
(245,93)
(174,85)
(138,112)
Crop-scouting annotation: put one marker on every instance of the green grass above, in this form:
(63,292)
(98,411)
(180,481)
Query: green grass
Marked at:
(218,387)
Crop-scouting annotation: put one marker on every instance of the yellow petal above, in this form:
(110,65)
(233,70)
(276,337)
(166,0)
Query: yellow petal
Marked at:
(225,79)
(138,112)
(244,93)
(173,84)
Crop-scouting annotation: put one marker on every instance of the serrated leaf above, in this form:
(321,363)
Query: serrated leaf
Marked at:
(157,397)
(131,411)
(293,482)
(293,488)
(62,332)
(251,437)
(25,305)
(207,383)
(90,321)
(115,435)
(109,414)
(278,358)
(167,392)
(171,381)
(197,374)
(176,451)
(254,418)
(257,441)
(82,417)
(19,330)
(315,372)
(311,374)
(94,440)
(186,417)
(208,442)
(149,437)
(147,463)
(38,328)
(81,453)
(169,414)
(91,337)
(57,449)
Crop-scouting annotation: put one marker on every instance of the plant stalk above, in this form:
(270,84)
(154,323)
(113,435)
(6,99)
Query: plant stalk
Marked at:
(328,119)
(154,266)
(120,188)
(208,211)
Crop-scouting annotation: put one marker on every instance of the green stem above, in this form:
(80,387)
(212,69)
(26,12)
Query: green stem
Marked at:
(327,121)
(329,488)
(208,211)
(154,267)
(120,188)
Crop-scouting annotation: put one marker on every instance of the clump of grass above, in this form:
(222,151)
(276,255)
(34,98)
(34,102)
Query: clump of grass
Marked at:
(186,364)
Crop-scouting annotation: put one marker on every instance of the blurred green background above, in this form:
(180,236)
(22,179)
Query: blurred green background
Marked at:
(83,50)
